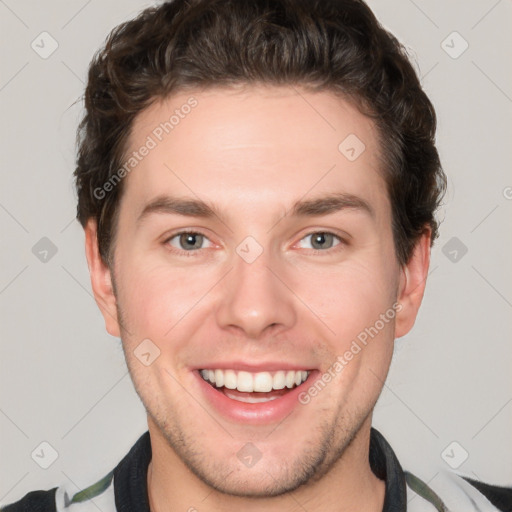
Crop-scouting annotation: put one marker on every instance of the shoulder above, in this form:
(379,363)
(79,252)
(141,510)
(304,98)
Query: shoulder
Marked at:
(35,501)
(500,497)
(99,495)
(448,491)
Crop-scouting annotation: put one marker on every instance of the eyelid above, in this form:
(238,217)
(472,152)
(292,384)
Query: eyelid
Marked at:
(180,231)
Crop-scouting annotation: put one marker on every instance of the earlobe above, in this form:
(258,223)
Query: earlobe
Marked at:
(413,277)
(101,280)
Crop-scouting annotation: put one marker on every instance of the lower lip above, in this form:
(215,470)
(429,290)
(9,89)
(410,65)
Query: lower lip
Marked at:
(257,414)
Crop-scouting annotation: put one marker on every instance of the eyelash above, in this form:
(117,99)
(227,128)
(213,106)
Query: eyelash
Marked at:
(197,252)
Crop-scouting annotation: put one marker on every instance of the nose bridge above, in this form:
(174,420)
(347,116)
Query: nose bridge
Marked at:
(253,298)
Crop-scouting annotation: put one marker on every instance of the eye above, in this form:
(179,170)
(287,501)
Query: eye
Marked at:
(188,241)
(322,241)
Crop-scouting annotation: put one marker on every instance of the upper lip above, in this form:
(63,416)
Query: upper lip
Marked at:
(269,366)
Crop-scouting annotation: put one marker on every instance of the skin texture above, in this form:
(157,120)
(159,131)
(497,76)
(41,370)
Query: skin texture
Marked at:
(253,153)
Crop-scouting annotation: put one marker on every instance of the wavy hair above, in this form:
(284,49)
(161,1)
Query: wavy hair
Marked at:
(323,45)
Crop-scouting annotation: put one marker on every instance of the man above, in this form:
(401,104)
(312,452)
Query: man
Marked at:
(257,182)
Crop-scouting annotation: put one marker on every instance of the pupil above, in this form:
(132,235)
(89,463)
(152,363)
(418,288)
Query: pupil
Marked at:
(192,239)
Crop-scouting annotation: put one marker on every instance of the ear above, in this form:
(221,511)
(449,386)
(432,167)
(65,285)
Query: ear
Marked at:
(101,280)
(413,278)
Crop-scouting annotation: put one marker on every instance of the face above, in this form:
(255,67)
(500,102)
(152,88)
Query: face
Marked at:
(253,255)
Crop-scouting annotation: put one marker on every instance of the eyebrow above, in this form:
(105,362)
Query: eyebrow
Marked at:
(324,205)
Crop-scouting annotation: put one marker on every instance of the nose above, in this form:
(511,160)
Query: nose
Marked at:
(255,299)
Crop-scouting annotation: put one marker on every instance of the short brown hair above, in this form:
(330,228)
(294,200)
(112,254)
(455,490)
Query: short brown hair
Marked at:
(331,45)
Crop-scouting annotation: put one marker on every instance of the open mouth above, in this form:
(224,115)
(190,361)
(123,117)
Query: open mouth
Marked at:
(254,388)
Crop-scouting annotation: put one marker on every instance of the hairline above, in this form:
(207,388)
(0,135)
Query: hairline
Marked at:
(355,100)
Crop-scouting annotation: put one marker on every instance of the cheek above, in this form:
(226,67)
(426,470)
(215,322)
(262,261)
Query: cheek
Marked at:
(350,297)
(354,303)
(155,298)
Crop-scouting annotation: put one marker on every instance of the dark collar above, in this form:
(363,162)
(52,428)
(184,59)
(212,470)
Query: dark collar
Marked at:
(131,489)
(385,465)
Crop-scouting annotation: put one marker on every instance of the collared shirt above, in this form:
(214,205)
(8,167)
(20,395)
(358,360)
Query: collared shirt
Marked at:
(124,489)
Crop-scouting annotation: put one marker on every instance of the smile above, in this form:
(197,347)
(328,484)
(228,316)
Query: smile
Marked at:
(254,396)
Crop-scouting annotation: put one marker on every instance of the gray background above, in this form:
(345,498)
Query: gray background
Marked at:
(63,379)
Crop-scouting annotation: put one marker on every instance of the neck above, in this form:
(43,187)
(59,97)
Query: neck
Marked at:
(348,485)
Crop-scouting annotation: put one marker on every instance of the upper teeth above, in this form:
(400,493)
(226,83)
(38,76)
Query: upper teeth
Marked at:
(261,382)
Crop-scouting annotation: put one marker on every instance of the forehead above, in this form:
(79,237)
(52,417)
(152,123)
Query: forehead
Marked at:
(253,148)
